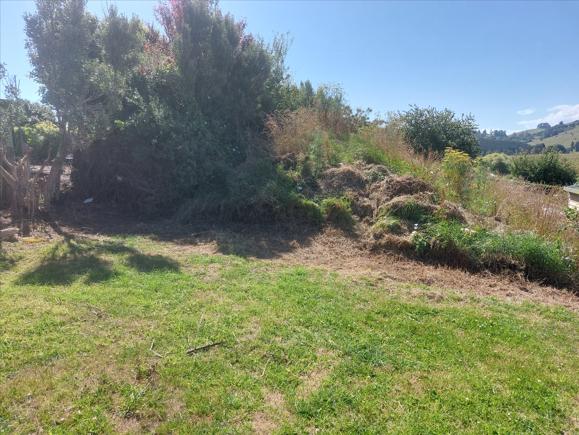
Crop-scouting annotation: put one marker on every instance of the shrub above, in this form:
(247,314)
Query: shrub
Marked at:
(479,248)
(338,211)
(548,168)
(457,171)
(186,125)
(44,138)
(429,130)
(498,163)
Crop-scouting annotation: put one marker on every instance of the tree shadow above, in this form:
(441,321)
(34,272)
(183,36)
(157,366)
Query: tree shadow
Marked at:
(151,263)
(255,240)
(6,261)
(74,258)
(65,271)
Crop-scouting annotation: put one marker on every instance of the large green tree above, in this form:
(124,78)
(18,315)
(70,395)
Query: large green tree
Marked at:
(63,50)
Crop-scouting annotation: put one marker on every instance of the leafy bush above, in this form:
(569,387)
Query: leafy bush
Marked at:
(338,211)
(548,168)
(255,193)
(479,248)
(499,163)
(457,171)
(429,130)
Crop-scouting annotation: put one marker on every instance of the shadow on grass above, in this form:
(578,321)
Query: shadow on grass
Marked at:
(67,270)
(6,262)
(76,257)
(152,263)
(264,241)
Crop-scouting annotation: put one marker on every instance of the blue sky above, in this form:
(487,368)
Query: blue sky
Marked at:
(510,64)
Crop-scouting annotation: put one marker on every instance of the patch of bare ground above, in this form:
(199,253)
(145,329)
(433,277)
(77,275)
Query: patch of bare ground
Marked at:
(274,411)
(313,379)
(331,249)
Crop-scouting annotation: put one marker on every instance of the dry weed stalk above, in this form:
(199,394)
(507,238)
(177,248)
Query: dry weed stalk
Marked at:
(532,207)
(292,132)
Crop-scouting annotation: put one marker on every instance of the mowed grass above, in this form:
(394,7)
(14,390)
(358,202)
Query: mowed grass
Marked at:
(94,338)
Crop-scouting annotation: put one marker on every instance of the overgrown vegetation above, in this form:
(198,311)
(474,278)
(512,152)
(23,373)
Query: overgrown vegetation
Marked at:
(201,120)
(479,248)
(548,168)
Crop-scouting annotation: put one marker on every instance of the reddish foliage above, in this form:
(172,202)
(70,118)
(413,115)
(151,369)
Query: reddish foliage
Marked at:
(170,15)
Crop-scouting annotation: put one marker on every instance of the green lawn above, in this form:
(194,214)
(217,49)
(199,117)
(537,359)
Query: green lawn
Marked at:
(93,338)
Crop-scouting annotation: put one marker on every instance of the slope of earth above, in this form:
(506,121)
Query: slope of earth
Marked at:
(125,327)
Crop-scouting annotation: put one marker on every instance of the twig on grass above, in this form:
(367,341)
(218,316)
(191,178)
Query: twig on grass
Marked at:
(203,348)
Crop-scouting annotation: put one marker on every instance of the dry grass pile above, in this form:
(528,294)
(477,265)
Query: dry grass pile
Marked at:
(338,181)
(397,186)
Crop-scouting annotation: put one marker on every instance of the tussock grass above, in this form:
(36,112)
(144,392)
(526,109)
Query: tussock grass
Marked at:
(479,248)
(338,211)
(303,350)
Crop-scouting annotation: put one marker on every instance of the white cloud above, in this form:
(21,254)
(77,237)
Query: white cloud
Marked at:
(556,114)
(526,112)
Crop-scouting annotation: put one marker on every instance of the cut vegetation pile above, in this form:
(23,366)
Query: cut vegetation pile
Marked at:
(407,214)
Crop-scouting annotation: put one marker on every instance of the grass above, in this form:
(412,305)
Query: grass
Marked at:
(573,159)
(480,248)
(338,211)
(93,338)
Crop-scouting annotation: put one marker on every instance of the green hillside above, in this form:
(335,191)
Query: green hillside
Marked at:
(549,135)
(565,138)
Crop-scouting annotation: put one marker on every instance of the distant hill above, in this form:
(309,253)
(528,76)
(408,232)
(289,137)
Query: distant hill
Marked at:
(530,140)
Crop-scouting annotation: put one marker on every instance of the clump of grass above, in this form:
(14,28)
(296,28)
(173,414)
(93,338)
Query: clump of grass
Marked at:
(387,225)
(479,248)
(338,211)
(304,210)
(408,208)
(292,132)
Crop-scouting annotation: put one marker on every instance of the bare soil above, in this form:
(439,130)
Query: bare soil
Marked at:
(347,253)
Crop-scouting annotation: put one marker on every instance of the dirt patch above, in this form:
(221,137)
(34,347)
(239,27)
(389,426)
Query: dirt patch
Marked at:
(267,420)
(313,379)
(331,249)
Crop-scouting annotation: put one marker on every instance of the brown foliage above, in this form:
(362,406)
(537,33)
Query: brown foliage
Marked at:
(292,132)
